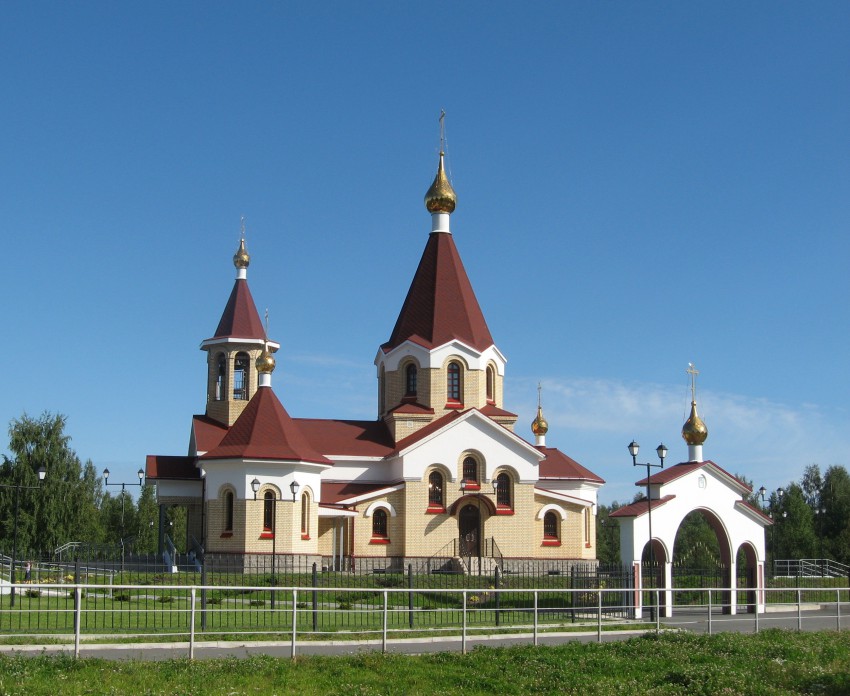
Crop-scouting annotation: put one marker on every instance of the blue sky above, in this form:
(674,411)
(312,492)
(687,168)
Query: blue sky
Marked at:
(640,185)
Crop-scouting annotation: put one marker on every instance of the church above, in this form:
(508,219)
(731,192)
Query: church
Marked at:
(439,479)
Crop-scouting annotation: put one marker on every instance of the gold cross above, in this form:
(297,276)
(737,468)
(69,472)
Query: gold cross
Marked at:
(693,372)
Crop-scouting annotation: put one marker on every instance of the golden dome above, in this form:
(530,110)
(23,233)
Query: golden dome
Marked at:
(539,426)
(241,258)
(265,363)
(441,196)
(694,431)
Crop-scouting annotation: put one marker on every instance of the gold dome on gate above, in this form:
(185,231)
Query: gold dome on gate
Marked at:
(266,362)
(539,426)
(241,259)
(694,431)
(441,196)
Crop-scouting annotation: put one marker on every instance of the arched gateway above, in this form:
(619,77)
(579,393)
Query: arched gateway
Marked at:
(696,485)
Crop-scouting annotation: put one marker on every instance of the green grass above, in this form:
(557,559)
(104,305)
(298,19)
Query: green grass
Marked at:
(772,662)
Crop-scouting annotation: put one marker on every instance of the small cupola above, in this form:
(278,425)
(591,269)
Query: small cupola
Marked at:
(694,431)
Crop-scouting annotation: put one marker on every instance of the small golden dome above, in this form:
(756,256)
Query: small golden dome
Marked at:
(441,196)
(694,431)
(539,426)
(265,363)
(241,258)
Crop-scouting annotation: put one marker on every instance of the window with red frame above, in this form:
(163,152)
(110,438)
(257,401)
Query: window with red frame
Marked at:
(379,524)
(491,384)
(435,490)
(470,470)
(453,382)
(228,511)
(410,375)
(503,492)
(268,511)
(550,526)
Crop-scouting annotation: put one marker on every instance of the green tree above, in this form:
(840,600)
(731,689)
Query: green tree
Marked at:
(696,546)
(835,500)
(607,534)
(794,531)
(148,511)
(46,519)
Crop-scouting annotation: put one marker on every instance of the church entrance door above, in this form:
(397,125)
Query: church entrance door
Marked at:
(469,521)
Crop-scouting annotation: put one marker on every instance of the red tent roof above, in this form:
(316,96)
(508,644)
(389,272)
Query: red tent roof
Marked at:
(265,430)
(440,306)
(240,318)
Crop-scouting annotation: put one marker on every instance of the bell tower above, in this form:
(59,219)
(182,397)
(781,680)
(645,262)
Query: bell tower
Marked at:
(232,352)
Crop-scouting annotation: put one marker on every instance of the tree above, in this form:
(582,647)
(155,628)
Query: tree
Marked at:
(148,512)
(835,499)
(812,485)
(46,520)
(607,534)
(794,531)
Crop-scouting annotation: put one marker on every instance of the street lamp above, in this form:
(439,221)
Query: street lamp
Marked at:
(18,487)
(255,486)
(141,474)
(661,451)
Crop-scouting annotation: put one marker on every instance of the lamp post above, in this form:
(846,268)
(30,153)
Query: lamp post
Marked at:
(141,474)
(661,450)
(18,487)
(255,486)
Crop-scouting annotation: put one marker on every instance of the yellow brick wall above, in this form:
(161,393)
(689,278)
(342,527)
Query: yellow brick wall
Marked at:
(395,529)
(228,410)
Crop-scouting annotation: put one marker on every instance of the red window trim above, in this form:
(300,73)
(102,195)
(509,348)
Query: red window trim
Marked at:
(551,542)
(267,534)
(226,535)
(472,485)
(304,536)
(451,403)
(504,511)
(379,540)
(435,509)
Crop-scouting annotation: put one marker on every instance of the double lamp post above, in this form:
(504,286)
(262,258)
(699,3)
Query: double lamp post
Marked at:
(18,487)
(293,487)
(141,474)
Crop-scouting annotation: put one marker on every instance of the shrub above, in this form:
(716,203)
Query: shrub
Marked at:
(257,603)
(121,597)
(33,593)
(165,599)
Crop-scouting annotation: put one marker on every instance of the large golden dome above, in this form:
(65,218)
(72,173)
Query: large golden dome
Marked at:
(265,363)
(241,258)
(694,431)
(441,197)
(539,426)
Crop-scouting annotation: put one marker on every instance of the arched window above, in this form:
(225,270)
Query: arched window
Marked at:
(228,511)
(240,376)
(453,382)
(470,470)
(268,511)
(550,526)
(379,523)
(220,374)
(491,384)
(435,489)
(503,493)
(305,516)
(410,380)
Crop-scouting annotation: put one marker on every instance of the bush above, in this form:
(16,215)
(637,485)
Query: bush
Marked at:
(165,599)
(257,603)
(33,593)
(121,597)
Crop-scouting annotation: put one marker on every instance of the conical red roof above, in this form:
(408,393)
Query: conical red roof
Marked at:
(265,430)
(240,318)
(440,306)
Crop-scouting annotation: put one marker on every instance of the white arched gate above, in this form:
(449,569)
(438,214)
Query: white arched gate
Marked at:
(676,492)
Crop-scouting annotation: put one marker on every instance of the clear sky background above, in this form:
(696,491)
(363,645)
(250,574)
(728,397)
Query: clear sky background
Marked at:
(639,185)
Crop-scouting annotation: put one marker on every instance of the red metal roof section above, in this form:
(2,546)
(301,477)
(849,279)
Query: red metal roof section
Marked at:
(757,510)
(265,430)
(412,407)
(490,410)
(158,466)
(334,491)
(640,507)
(559,465)
(425,431)
(679,470)
(240,318)
(208,432)
(440,306)
(347,437)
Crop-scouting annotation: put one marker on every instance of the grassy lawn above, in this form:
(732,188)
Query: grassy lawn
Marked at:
(772,662)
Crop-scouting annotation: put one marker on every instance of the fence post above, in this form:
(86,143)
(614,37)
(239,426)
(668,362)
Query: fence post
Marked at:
(757,611)
(535,618)
(463,626)
(204,594)
(78,608)
(410,594)
(193,598)
(709,612)
(599,615)
(294,622)
(498,584)
(799,609)
(315,598)
(657,610)
(384,624)
(838,610)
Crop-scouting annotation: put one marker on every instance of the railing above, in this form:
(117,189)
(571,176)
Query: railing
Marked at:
(73,612)
(810,568)
(169,556)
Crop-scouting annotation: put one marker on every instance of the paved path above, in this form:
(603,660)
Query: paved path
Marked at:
(822,618)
